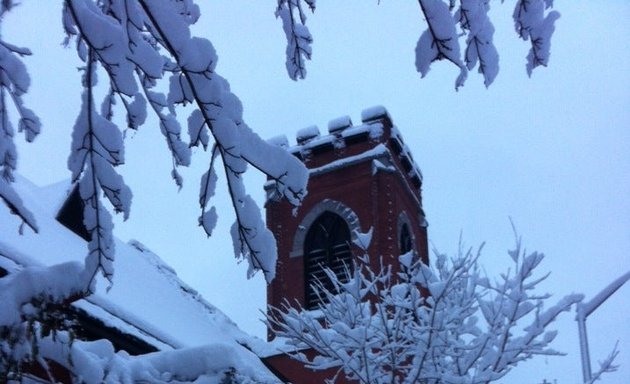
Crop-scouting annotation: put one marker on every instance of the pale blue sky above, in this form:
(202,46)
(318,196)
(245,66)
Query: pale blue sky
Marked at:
(551,151)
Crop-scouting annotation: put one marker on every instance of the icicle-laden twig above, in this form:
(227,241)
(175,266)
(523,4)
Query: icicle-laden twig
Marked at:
(218,114)
(473,19)
(14,82)
(299,38)
(434,324)
(534,23)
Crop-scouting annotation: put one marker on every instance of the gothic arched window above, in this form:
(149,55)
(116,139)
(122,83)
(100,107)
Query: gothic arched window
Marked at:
(327,245)
(404,242)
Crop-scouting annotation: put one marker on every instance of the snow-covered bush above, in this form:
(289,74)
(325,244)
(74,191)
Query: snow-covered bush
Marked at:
(443,323)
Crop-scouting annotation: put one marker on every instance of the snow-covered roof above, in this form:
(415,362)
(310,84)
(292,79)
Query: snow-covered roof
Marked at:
(147,299)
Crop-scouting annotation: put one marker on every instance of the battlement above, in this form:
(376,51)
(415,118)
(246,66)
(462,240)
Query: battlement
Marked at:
(376,139)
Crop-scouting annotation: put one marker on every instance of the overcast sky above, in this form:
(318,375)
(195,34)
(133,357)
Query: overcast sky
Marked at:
(551,151)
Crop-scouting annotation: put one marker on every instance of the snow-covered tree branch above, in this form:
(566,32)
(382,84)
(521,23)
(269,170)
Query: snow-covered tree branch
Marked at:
(447,22)
(194,80)
(444,323)
(14,82)
(299,39)
(468,19)
(137,43)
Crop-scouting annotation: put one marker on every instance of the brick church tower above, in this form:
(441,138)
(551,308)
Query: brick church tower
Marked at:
(361,177)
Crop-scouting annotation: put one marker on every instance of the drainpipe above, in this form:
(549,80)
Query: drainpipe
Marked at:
(584,353)
(583,311)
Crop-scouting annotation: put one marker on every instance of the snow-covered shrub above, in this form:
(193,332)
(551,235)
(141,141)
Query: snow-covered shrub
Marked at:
(443,323)
(33,307)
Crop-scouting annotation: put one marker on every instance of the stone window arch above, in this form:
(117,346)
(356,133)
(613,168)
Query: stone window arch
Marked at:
(330,205)
(324,239)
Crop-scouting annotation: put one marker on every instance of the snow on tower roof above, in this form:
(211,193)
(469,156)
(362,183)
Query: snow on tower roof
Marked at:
(308,133)
(374,113)
(339,124)
(147,299)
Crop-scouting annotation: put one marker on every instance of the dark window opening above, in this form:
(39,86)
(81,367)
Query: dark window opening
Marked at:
(298,154)
(396,145)
(322,148)
(415,180)
(405,240)
(327,245)
(358,138)
(406,163)
(71,214)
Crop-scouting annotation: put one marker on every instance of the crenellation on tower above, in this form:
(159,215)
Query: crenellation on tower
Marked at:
(346,141)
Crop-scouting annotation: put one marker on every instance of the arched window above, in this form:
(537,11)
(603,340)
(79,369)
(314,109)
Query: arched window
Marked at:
(327,245)
(404,242)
